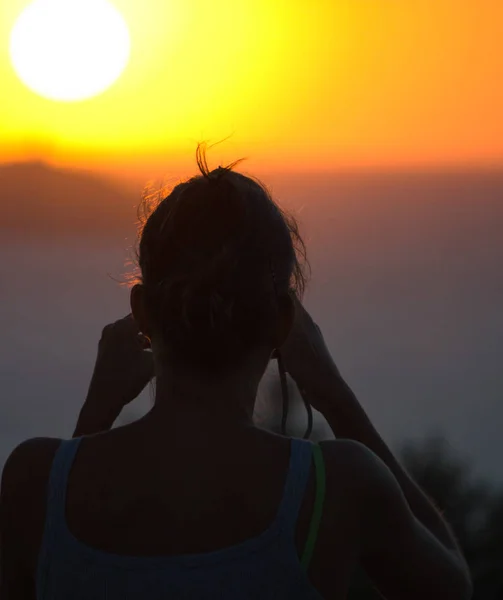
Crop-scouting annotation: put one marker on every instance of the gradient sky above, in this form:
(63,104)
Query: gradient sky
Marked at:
(407,270)
(322,84)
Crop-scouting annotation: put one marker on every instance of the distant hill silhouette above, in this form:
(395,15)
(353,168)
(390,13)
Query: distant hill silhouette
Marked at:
(40,200)
(380,212)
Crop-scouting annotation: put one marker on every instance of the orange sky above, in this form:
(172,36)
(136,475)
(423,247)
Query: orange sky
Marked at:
(322,84)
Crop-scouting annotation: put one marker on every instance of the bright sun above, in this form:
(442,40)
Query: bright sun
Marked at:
(69,50)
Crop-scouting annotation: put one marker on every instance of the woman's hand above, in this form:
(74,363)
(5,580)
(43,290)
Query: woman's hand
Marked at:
(306,357)
(123,365)
(123,368)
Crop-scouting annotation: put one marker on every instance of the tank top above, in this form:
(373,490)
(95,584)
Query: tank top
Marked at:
(266,566)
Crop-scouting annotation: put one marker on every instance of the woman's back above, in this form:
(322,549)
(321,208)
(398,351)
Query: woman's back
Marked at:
(224,510)
(193,501)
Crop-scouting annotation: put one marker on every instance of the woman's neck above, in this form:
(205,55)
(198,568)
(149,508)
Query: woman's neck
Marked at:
(189,401)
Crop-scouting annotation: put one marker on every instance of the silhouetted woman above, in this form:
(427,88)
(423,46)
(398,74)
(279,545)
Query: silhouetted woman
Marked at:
(193,501)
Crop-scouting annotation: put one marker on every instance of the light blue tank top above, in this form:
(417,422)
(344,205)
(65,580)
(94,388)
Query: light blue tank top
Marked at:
(265,567)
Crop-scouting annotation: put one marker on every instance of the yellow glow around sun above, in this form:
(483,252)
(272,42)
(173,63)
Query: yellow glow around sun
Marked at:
(69,50)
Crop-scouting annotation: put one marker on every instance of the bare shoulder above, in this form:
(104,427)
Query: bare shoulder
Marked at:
(27,462)
(22,512)
(339,537)
(25,475)
(351,458)
(352,471)
(346,469)
(24,486)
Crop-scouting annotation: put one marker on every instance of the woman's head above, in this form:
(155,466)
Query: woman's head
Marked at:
(218,259)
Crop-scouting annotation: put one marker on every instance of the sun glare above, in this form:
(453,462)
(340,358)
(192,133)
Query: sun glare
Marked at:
(69,50)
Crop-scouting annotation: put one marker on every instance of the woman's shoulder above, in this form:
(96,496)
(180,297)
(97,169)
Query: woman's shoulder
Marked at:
(348,466)
(24,480)
(348,455)
(25,475)
(29,459)
(23,492)
(355,473)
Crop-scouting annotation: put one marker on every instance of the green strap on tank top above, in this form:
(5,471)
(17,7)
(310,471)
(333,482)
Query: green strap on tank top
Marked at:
(318,507)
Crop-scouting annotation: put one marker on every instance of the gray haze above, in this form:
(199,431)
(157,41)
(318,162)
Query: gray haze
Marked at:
(407,287)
